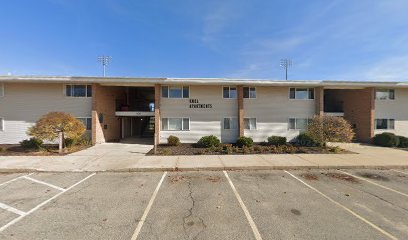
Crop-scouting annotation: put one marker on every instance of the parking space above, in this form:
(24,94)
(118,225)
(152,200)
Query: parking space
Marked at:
(298,204)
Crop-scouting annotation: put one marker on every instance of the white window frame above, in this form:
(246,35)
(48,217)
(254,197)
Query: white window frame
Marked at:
(296,127)
(86,122)
(249,92)
(388,96)
(2,127)
(389,126)
(230,118)
(182,124)
(182,92)
(256,124)
(72,90)
(308,93)
(1,90)
(229,92)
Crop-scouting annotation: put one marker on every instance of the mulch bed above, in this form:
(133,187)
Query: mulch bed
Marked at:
(228,149)
(47,150)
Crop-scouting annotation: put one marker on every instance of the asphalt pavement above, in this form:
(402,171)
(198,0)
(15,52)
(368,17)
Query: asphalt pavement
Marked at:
(267,204)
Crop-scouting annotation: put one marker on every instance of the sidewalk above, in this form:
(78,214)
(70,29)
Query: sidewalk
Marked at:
(365,157)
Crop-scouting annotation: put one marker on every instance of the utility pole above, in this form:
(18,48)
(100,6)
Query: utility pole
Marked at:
(286,63)
(104,60)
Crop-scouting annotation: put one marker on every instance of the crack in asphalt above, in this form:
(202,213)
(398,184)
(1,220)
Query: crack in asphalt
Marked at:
(190,215)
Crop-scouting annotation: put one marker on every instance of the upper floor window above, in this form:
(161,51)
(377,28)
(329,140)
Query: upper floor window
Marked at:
(175,124)
(78,90)
(87,122)
(250,123)
(1,89)
(230,123)
(229,92)
(385,94)
(384,123)
(175,92)
(298,123)
(301,93)
(1,124)
(249,92)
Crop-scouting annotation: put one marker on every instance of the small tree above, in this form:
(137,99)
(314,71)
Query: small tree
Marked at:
(57,125)
(323,129)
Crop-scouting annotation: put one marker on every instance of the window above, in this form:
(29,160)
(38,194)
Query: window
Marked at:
(384,124)
(249,92)
(175,124)
(1,90)
(298,123)
(229,92)
(230,123)
(87,122)
(78,90)
(301,93)
(250,123)
(385,94)
(1,124)
(175,92)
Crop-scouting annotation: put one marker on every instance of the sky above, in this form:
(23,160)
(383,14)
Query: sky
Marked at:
(325,39)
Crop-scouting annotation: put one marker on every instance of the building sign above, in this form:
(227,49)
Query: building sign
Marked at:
(194,103)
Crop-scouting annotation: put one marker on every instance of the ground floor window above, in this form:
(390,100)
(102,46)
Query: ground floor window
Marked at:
(230,123)
(1,124)
(175,124)
(250,123)
(87,122)
(298,123)
(384,123)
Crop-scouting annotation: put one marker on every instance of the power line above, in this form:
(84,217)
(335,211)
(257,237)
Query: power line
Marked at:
(105,61)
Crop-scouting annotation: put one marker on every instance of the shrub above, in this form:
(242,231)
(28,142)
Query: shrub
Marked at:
(276,140)
(245,141)
(173,140)
(323,129)
(403,142)
(2,149)
(209,141)
(69,142)
(32,143)
(305,140)
(386,139)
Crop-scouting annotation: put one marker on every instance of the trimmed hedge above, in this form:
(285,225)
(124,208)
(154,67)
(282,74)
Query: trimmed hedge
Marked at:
(244,141)
(209,141)
(277,140)
(403,142)
(173,141)
(386,139)
(306,140)
(32,143)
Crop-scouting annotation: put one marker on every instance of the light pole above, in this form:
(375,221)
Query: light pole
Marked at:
(104,60)
(286,63)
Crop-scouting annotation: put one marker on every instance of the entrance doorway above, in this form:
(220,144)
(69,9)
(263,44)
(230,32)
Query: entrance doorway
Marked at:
(134,128)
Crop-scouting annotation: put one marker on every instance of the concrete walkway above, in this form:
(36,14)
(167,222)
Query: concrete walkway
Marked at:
(131,157)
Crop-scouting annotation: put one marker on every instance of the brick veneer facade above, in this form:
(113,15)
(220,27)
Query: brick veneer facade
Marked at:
(358,106)
(104,105)
(157,89)
(319,101)
(241,126)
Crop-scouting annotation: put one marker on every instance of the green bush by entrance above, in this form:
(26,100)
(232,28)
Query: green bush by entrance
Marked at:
(276,140)
(209,141)
(245,141)
(386,139)
(403,142)
(173,140)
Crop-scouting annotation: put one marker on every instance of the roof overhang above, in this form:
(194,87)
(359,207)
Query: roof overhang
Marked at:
(140,81)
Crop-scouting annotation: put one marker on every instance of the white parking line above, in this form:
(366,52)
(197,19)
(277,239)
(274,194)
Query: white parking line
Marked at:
(44,183)
(14,179)
(244,208)
(345,208)
(146,211)
(374,183)
(11,209)
(406,173)
(43,203)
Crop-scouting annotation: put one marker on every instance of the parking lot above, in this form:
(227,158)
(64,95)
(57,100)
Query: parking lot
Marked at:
(294,204)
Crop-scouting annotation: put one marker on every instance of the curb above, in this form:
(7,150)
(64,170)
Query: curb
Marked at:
(178,169)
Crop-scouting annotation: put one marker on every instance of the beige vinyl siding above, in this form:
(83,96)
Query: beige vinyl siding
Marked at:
(203,121)
(272,109)
(24,103)
(394,109)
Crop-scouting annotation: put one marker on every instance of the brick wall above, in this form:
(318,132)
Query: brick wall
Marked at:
(104,102)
